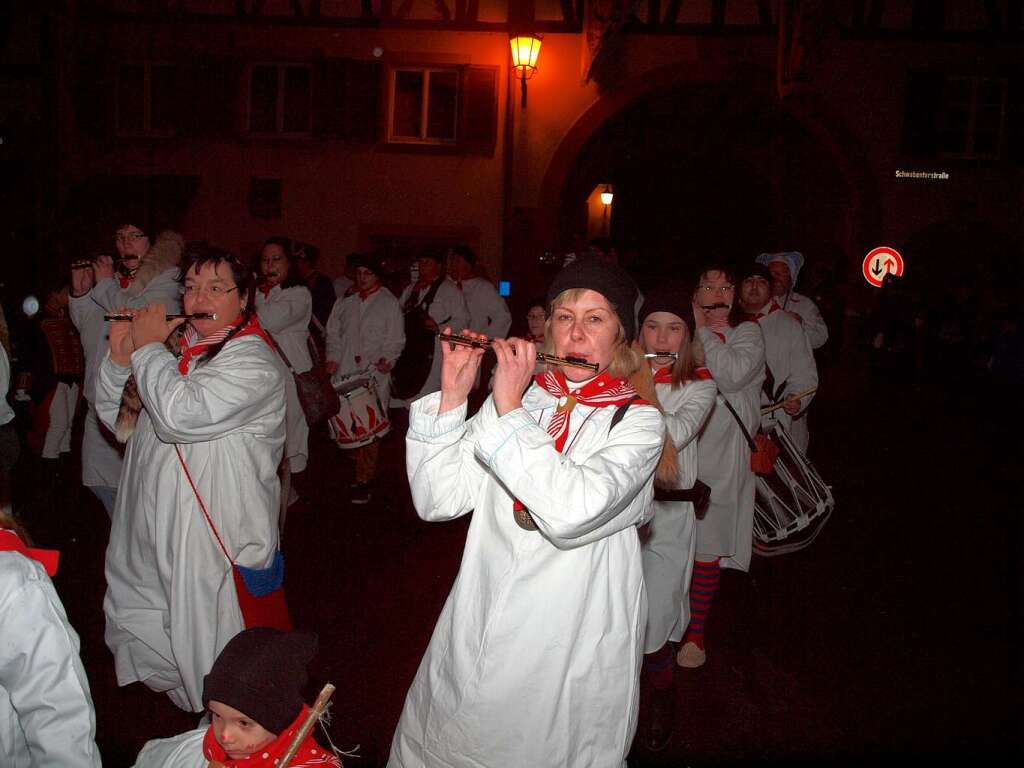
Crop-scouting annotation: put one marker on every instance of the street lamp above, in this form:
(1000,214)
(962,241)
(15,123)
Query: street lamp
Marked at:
(607,195)
(525,50)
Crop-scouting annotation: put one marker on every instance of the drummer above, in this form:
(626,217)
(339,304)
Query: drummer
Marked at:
(365,335)
(789,363)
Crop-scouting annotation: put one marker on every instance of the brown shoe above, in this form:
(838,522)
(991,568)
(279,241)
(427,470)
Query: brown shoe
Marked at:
(691,656)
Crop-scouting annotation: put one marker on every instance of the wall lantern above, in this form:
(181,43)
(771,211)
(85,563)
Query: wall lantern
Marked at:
(607,195)
(525,50)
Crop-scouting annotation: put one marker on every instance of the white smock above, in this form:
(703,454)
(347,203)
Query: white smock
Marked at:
(723,455)
(285,313)
(488,312)
(668,546)
(535,658)
(171,604)
(447,308)
(182,751)
(360,332)
(789,358)
(810,317)
(47,718)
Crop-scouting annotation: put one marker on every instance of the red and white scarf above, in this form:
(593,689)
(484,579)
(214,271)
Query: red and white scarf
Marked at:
(756,316)
(664,375)
(192,346)
(48,558)
(309,754)
(598,393)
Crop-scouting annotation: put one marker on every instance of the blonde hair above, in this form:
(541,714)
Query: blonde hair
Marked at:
(626,358)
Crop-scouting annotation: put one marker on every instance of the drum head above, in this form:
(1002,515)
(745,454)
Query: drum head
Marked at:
(351,385)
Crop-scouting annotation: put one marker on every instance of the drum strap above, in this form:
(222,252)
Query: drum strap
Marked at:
(742,426)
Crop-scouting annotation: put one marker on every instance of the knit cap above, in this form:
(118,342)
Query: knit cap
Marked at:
(610,280)
(674,297)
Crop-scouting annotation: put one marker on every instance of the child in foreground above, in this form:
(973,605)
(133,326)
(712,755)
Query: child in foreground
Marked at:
(254,697)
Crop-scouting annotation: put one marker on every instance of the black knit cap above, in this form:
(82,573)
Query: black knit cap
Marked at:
(752,269)
(371,261)
(674,297)
(261,672)
(610,280)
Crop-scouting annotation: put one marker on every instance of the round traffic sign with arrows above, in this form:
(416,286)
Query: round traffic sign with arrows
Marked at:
(881,262)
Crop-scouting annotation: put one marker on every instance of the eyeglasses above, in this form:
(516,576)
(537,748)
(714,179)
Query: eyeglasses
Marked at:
(213,291)
(535,315)
(127,237)
(709,289)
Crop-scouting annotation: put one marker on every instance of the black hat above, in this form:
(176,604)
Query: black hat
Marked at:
(261,672)
(432,252)
(753,269)
(609,280)
(465,252)
(370,261)
(674,297)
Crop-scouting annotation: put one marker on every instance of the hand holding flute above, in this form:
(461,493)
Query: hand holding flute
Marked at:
(148,325)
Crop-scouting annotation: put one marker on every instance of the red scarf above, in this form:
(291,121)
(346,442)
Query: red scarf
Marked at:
(309,754)
(600,392)
(123,281)
(756,317)
(663,375)
(266,288)
(48,558)
(192,346)
(364,295)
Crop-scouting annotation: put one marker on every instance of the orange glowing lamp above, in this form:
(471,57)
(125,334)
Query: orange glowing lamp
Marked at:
(525,52)
(607,195)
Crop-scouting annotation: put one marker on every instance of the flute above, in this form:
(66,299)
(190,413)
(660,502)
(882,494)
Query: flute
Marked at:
(193,316)
(673,355)
(465,341)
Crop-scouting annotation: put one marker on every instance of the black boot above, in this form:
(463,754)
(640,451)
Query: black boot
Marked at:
(661,720)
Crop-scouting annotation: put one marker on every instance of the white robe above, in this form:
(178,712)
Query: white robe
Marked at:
(488,312)
(788,355)
(171,604)
(47,718)
(812,321)
(723,455)
(285,315)
(369,330)
(535,658)
(101,455)
(668,548)
(447,308)
(182,751)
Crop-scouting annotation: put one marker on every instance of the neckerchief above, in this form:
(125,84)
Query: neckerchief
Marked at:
(192,346)
(48,558)
(663,375)
(600,392)
(364,295)
(755,316)
(124,281)
(309,754)
(266,288)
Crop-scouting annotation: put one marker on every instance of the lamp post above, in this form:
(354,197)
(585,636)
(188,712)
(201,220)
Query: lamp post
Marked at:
(525,50)
(606,200)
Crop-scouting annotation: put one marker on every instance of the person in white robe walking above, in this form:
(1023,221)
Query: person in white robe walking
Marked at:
(535,658)
(365,336)
(685,394)
(284,306)
(733,351)
(171,604)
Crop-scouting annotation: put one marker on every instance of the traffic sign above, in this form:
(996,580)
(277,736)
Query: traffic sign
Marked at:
(881,262)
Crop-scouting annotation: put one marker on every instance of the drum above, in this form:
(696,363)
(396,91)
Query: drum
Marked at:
(362,419)
(792,504)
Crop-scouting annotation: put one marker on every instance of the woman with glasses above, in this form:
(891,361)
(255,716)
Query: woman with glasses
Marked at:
(284,306)
(147,274)
(213,417)
(733,352)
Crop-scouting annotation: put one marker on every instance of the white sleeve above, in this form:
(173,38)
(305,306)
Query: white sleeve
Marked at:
(575,504)
(43,675)
(497,313)
(293,306)
(237,391)
(803,369)
(686,410)
(108,294)
(110,381)
(394,336)
(449,308)
(182,751)
(333,331)
(814,323)
(83,310)
(736,363)
(444,475)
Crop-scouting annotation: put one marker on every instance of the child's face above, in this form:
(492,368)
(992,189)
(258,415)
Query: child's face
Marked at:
(238,734)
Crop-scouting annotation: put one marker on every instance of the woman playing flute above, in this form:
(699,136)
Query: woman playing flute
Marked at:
(535,659)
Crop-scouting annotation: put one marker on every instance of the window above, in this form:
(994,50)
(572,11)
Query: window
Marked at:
(145,99)
(280,99)
(423,108)
(973,117)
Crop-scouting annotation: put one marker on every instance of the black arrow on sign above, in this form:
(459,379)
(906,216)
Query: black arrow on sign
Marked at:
(876,268)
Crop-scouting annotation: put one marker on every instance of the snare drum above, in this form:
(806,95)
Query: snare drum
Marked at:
(362,419)
(792,503)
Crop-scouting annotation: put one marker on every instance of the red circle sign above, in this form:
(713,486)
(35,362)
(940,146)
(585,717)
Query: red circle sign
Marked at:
(881,262)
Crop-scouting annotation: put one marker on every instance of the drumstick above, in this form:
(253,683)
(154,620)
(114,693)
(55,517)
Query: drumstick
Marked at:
(307,725)
(193,316)
(800,396)
(465,341)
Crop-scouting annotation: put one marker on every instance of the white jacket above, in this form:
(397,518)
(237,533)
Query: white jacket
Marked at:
(171,604)
(812,321)
(788,355)
(488,312)
(369,330)
(668,548)
(47,718)
(535,658)
(737,365)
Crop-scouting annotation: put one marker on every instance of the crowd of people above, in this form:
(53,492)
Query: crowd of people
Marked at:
(605,456)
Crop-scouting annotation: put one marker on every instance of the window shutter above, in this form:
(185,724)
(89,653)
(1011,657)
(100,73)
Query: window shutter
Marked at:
(360,110)
(921,117)
(207,95)
(329,98)
(94,81)
(478,127)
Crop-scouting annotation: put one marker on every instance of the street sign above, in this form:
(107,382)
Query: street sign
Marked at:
(881,262)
